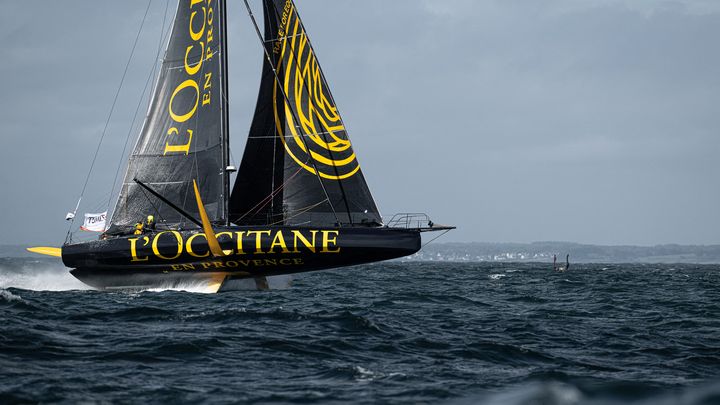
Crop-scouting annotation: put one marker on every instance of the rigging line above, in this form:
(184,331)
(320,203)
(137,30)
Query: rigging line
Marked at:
(232,157)
(267,41)
(436,238)
(153,96)
(99,204)
(112,108)
(163,34)
(275,173)
(275,153)
(303,210)
(287,100)
(151,78)
(324,85)
(260,205)
(157,211)
(129,134)
(264,202)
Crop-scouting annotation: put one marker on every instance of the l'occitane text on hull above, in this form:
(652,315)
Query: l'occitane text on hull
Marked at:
(232,265)
(174,246)
(166,257)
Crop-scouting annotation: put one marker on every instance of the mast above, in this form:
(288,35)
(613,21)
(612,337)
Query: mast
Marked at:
(225,96)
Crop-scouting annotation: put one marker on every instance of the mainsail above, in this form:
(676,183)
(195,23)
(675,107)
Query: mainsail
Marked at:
(184,137)
(299,166)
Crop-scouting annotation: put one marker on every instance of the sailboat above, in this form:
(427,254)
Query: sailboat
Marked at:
(299,202)
(561,267)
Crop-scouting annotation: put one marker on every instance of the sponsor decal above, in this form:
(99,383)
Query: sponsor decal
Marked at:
(197,87)
(173,245)
(319,133)
(231,265)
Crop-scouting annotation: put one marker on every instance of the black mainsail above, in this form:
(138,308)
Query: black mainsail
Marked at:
(299,166)
(184,137)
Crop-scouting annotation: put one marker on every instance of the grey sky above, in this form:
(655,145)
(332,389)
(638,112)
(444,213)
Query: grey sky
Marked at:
(593,121)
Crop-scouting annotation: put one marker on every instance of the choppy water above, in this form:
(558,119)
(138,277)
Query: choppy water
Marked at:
(388,333)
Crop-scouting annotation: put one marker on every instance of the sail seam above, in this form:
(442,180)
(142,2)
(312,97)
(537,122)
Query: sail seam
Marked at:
(283,136)
(182,66)
(278,39)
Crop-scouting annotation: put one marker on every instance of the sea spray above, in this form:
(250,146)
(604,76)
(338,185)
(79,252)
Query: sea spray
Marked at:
(7,296)
(38,275)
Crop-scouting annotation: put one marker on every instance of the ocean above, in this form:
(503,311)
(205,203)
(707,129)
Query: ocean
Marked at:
(398,333)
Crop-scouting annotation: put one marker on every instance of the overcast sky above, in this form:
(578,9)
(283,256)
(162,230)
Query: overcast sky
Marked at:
(593,121)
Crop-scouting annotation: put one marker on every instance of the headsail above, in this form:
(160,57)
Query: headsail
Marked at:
(184,137)
(299,165)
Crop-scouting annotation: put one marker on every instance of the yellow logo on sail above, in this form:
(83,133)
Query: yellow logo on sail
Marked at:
(203,38)
(318,141)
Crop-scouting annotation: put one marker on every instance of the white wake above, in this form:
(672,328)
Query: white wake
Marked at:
(38,276)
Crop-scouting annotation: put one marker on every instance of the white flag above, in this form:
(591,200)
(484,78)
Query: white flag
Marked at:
(94,222)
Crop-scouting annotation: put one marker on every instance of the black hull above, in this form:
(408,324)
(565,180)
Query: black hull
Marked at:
(168,259)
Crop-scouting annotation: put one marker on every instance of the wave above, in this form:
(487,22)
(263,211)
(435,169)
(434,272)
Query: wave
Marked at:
(37,275)
(561,393)
(199,287)
(417,334)
(51,275)
(10,297)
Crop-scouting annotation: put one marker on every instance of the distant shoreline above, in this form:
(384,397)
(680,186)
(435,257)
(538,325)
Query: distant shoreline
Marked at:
(579,253)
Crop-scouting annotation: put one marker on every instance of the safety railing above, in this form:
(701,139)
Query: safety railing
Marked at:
(410,221)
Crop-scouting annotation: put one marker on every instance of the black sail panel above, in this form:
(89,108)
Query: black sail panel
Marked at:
(298,132)
(183,135)
(257,197)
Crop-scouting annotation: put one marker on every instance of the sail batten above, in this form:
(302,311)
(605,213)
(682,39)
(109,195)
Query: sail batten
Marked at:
(184,137)
(298,128)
